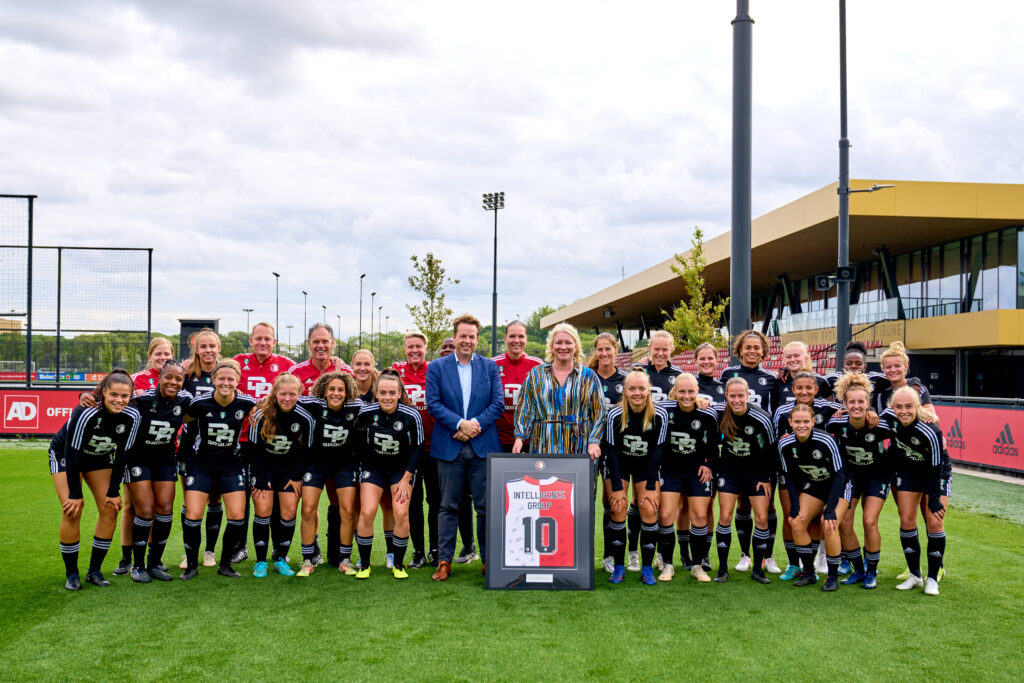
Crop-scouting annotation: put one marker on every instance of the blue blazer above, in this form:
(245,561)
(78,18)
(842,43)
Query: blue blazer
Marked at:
(444,403)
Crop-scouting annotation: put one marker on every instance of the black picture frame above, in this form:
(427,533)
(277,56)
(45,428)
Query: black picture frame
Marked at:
(509,563)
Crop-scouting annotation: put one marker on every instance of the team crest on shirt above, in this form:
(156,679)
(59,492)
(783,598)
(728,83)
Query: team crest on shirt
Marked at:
(397,426)
(618,388)
(914,440)
(347,417)
(539,465)
(816,454)
(295,426)
(136,471)
(177,410)
(869,437)
(748,430)
(762,381)
(273,367)
(119,429)
(239,414)
(695,424)
(817,419)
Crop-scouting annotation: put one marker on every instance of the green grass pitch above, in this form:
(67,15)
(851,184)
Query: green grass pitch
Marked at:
(331,626)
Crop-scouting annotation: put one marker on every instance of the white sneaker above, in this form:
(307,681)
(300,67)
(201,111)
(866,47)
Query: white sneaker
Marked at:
(389,560)
(913,582)
(771,567)
(820,563)
(904,575)
(667,572)
(209,559)
(931,587)
(634,561)
(184,562)
(609,564)
(744,564)
(659,563)
(698,573)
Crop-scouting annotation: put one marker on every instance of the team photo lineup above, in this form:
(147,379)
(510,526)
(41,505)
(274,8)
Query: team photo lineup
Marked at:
(678,457)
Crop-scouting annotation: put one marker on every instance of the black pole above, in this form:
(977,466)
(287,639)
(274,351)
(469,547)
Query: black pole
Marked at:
(28,300)
(494,294)
(361,310)
(739,262)
(60,253)
(149,299)
(277,301)
(305,326)
(843,290)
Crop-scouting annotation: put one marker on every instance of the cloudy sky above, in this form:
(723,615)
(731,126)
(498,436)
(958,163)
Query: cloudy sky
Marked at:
(323,139)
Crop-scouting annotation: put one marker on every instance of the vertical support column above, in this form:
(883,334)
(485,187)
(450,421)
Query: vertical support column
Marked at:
(739,261)
(28,300)
(60,273)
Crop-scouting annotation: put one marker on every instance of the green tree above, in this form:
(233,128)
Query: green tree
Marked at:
(431,315)
(696,319)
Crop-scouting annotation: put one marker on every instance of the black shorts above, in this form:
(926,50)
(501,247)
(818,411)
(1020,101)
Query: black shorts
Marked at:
(164,470)
(271,481)
(57,464)
(819,490)
(685,480)
(738,483)
(210,479)
(867,485)
(632,468)
(909,482)
(343,478)
(384,478)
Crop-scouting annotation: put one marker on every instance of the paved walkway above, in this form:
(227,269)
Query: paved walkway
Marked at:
(1008,478)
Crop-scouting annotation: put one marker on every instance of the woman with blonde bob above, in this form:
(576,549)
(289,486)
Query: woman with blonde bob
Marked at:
(918,479)
(158,352)
(796,359)
(632,444)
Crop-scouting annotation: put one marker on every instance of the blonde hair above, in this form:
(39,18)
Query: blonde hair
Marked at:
(852,381)
(228,363)
(784,373)
(728,421)
(374,372)
(662,334)
(604,336)
(154,344)
(549,354)
(196,370)
(922,413)
(737,345)
(648,411)
(269,407)
(414,334)
(897,350)
(263,323)
(683,376)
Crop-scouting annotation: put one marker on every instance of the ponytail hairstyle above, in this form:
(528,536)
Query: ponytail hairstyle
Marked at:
(116,376)
(682,377)
(392,374)
(897,350)
(319,388)
(604,336)
(922,413)
(728,422)
(784,373)
(196,369)
(648,409)
(737,344)
(853,381)
(269,407)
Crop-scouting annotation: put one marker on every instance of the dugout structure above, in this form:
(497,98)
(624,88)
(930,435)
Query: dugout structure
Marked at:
(68,313)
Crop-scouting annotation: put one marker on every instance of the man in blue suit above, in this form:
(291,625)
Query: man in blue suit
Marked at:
(465,398)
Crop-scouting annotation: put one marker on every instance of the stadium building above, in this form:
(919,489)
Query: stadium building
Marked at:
(940,267)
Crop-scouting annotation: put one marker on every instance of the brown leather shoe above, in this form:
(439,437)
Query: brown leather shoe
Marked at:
(444,570)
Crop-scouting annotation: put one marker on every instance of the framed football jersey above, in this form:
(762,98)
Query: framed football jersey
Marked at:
(540,522)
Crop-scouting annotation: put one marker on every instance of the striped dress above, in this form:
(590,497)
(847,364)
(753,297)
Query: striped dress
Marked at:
(560,418)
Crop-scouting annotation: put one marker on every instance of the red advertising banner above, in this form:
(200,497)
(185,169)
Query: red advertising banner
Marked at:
(36,411)
(983,436)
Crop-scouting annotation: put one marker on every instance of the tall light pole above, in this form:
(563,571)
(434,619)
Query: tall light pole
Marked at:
(387,327)
(247,312)
(325,313)
(742,135)
(843,274)
(492,202)
(305,325)
(361,309)
(380,339)
(277,301)
(338,330)
(290,352)
(372,294)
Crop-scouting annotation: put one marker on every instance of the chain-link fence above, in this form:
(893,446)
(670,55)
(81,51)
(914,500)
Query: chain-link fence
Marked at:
(68,314)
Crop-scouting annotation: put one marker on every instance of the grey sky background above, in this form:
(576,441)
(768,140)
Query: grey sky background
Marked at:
(324,139)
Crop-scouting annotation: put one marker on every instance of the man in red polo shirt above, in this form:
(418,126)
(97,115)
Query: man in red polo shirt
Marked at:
(321,358)
(261,367)
(513,365)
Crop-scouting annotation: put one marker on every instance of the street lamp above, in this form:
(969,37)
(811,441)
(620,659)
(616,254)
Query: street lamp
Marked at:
(247,312)
(492,202)
(277,300)
(305,325)
(372,294)
(325,313)
(842,272)
(387,326)
(290,338)
(361,309)
(338,330)
(380,339)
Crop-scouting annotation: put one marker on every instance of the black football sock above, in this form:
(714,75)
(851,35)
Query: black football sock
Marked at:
(666,543)
(344,553)
(400,544)
(648,543)
(855,558)
(69,553)
(773,526)
(633,523)
(791,553)
(389,542)
(243,540)
(232,533)
(192,536)
(100,546)
(683,536)
(761,537)
(126,552)
(606,520)
(261,536)
(140,538)
(744,525)
(284,542)
(871,559)
(617,535)
(308,552)
(936,550)
(806,553)
(723,539)
(365,544)
(911,550)
(698,543)
(214,517)
(833,565)
(161,530)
